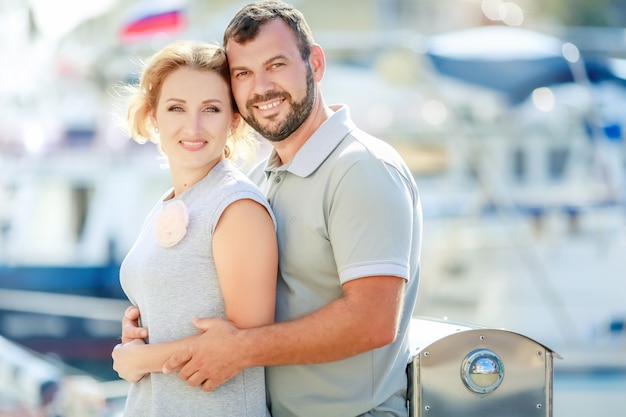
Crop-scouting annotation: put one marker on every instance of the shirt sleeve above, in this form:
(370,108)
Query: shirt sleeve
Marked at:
(371,221)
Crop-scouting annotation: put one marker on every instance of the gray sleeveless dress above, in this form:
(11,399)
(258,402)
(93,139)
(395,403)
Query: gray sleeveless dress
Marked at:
(173,285)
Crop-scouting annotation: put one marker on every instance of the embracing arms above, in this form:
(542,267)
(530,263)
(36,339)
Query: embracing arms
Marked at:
(369,310)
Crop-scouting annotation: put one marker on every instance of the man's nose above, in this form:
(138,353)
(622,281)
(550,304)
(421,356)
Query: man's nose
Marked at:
(263,83)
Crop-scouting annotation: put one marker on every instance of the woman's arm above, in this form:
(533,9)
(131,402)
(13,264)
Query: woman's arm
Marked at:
(134,359)
(246,257)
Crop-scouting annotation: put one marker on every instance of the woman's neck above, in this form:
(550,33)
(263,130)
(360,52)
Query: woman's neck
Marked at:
(184,179)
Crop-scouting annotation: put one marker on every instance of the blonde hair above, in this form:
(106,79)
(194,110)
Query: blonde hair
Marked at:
(143,97)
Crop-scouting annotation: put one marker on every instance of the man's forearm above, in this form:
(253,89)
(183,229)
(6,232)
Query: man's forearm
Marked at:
(365,319)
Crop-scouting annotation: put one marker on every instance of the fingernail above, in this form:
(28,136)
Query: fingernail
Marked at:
(165,370)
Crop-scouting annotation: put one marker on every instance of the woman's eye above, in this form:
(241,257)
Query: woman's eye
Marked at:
(175,108)
(211,109)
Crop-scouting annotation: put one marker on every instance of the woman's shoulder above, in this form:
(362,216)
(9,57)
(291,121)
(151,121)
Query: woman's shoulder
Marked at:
(224,185)
(236,180)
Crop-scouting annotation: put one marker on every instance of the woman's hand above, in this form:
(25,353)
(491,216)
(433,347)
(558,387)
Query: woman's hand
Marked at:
(130,325)
(124,360)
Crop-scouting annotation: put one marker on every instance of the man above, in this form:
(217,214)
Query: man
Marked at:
(349,227)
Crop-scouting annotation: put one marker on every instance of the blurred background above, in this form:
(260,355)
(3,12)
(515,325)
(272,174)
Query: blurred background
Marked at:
(509,113)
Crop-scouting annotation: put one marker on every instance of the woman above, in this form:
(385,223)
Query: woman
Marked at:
(208,248)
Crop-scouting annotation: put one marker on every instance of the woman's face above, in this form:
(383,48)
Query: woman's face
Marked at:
(194,116)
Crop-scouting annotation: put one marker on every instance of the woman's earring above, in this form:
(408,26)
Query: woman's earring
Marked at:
(156,130)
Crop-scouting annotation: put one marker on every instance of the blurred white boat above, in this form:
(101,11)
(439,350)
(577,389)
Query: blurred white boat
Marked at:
(525,226)
(67,222)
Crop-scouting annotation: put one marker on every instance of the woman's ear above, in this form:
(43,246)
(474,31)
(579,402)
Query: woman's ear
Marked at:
(234,124)
(153,120)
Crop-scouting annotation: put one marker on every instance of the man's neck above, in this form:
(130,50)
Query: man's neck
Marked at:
(287,148)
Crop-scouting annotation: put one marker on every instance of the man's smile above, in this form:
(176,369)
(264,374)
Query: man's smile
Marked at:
(270,105)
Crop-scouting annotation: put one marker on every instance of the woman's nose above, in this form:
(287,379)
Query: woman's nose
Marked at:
(192,123)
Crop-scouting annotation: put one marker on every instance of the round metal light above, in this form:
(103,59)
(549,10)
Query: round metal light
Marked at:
(482,371)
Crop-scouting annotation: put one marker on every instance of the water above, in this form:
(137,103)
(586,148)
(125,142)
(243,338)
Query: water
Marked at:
(590,394)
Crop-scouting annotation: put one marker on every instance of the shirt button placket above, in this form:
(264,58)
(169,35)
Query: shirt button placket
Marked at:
(273,186)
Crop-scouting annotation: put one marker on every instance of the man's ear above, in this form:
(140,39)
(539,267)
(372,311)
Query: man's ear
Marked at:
(318,62)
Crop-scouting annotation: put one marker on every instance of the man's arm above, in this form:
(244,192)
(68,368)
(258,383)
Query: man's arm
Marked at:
(365,318)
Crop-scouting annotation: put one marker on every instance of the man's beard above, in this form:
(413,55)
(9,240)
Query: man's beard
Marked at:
(298,114)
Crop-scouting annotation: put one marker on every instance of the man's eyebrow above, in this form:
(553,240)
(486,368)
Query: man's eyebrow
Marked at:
(274,58)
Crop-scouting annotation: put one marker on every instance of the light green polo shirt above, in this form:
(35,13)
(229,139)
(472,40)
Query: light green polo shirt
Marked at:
(346,207)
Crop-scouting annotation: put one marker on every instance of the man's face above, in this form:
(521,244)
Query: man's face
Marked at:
(273,87)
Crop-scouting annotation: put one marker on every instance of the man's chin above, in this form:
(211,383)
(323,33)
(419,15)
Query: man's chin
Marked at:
(273,135)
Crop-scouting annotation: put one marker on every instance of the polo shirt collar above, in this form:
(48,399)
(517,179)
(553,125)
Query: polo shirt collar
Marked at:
(318,147)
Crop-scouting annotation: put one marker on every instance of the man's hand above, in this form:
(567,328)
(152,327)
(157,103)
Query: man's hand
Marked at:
(211,359)
(130,326)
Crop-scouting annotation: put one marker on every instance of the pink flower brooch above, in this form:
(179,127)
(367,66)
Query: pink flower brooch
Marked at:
(171,223)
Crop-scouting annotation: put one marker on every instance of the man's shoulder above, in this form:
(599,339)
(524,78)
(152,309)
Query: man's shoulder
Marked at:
(363,145)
